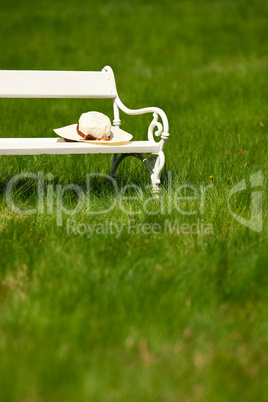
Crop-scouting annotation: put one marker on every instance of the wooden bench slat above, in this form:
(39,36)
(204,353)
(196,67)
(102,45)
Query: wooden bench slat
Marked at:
(57,146)
(56,84)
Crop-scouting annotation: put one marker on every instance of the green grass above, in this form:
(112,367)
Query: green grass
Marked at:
(165,316)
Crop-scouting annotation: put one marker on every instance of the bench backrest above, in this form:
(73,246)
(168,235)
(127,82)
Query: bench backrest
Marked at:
(57,84)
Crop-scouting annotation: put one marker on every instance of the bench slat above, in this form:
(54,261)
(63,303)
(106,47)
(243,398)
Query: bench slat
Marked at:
(57,146)
(56,84)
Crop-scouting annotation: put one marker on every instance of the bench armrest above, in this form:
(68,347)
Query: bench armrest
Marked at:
(162,128)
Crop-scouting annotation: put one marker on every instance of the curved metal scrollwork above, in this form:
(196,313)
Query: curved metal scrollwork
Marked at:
(155,124)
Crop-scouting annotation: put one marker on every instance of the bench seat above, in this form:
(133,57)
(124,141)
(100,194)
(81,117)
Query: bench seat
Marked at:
(58,146)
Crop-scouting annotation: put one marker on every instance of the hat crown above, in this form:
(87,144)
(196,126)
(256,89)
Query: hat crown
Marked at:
(95,123)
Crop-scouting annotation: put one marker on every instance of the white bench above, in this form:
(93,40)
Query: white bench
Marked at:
(83,84)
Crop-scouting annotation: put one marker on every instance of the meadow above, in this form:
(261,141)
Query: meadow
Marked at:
(152,299)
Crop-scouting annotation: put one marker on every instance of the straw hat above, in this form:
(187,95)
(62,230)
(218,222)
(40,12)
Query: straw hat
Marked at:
(93,127)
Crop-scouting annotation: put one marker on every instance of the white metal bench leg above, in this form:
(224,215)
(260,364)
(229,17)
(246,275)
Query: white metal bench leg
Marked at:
(156,168)
(154,165)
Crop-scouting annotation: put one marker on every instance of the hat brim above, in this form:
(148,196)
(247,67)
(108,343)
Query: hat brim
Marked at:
(117,135)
